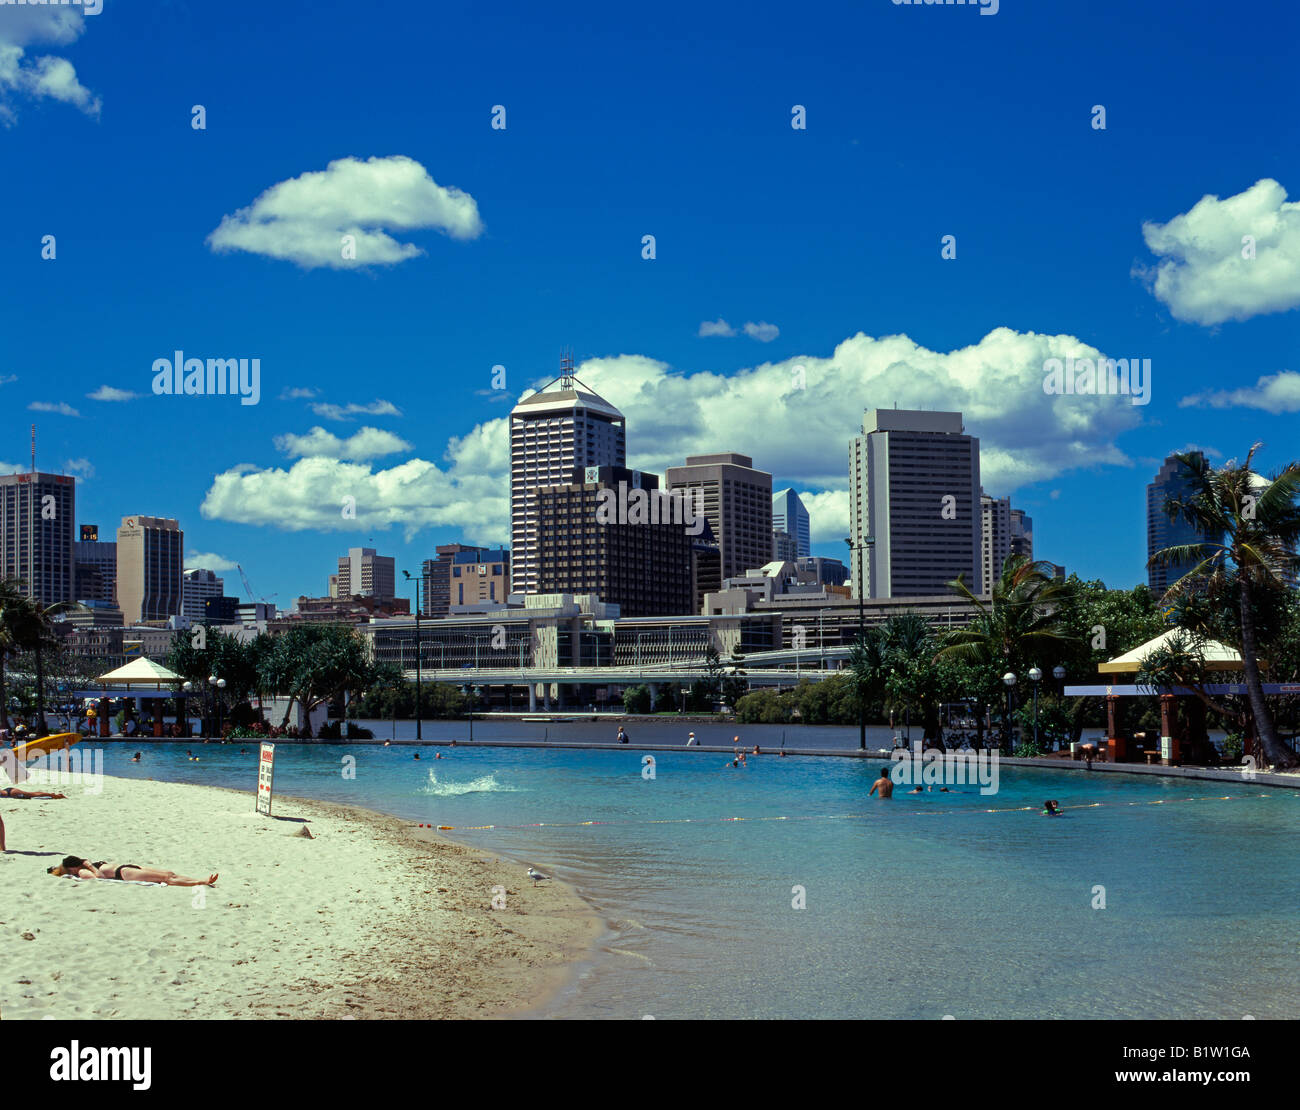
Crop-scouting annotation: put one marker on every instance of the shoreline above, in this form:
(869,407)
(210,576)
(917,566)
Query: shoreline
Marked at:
(368,919)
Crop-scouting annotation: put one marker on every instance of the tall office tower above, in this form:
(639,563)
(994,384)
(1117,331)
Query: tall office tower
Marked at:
(639,559)
(736,500)
(436,575)
(1022,534)
(37,513)
(914,504)
(784,546)
(995,539)
(563,426)
(362,573)
(196,587)
(789,515)
(96,567)
(150,562)
(1170,481)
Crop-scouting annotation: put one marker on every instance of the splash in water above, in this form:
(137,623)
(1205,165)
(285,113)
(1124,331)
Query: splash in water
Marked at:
(484,784)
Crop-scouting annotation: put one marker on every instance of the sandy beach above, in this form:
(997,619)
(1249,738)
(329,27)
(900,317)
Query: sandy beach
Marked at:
(370,919)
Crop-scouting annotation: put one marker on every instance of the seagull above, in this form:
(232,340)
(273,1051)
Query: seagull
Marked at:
(535,875)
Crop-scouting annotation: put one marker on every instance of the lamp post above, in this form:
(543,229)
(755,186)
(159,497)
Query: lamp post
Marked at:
(867,541)
(419,731)
(1035,676)
(217,684)
(1058,673)
(188,687)
(471,692)
(1010,679)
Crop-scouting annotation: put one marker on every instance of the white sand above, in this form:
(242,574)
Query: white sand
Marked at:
(369,919)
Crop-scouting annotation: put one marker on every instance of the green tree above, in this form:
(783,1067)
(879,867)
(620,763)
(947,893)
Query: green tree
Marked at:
(1258,525)
(313,664)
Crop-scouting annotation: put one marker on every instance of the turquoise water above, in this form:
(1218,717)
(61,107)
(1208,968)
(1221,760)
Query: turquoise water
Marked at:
(918,907)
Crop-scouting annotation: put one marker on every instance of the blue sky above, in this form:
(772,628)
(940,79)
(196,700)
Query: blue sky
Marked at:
(673,122)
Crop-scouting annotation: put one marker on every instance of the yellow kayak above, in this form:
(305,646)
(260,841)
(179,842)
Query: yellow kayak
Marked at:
(33,748)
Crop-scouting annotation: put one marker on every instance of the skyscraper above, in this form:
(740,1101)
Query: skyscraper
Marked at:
(362,573)
(1171,480)
(789,515)
(736,500)
(96,567)
(995,538)
(1022,534)
(37,514)
(436,593)
(196,587)
(563,426)
(914,492)
(150,563)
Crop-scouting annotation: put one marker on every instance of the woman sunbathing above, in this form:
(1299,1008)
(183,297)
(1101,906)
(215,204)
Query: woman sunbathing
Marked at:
(15,792)
(80,868)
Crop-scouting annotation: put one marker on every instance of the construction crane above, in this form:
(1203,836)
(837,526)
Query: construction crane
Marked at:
(248,587)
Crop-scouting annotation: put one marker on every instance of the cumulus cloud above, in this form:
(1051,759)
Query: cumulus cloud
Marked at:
(470,493)
(203,560)
(347,412)
(1272,393)
(82,468)
(1204,276)
(25,76)
(367,443)
(764,333)
(716,327)
(6,379)
(61,407)
(297,393)
(304,219)
(794,417)
(109,393)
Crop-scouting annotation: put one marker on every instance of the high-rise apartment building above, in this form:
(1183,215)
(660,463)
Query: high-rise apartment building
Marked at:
(150,563)
(995,538)
(1171,480)
(95,576)
(914,504)
(589,545)
(785,548)
(1022,534)
(736,500)
(362,573)
(563,426)
(37,515)
(790,516)
(196,587)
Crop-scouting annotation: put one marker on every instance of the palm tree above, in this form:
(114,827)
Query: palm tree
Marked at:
(40,635)
(1257,523)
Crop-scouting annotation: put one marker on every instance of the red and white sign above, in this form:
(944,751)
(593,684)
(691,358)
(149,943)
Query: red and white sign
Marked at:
(265,778)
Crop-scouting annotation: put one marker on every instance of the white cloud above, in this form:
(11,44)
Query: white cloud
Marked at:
(40,76)
(11,468)
(297,393)
(8,379)
(801,435)
(347,412)
(202,560)
(83,468)
(110,393)
(1204,278)
(764,333)
(1272,393)
(367,443)
(62,408)
(716,327)
(305,218)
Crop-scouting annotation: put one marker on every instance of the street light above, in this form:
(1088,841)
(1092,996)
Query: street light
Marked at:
(188,687)
(867,541)
(1010,679)
(217,684)
(419,732)
(1035,676)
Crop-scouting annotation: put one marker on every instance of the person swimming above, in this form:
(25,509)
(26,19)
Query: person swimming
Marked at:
(136,758)
(1051,809)
(883,786)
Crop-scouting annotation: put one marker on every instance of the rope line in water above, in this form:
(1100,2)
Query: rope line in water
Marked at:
(820,816)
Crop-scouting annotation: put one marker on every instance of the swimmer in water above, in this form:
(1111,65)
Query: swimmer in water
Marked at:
(1051,809)
(136,758)
(417,755)
(883,786)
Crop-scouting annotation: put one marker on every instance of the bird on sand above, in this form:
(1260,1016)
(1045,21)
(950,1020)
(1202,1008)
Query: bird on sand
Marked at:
(536,875)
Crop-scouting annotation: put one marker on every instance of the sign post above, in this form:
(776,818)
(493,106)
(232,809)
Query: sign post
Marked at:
(265,778)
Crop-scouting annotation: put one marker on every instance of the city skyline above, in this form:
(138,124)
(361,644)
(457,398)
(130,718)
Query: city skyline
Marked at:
(389,381)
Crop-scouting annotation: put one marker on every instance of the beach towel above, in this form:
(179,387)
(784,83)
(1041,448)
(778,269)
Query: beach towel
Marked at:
(120,882)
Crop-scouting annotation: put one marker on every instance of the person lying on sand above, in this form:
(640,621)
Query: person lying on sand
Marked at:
(15,792)
(80,868)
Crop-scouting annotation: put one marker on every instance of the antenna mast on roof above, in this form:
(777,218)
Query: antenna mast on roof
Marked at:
(33,448)
(566,368)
